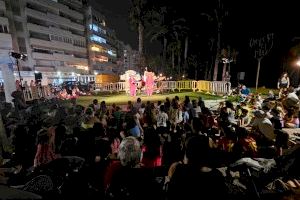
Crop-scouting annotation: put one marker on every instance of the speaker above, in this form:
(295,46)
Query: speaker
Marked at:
(241,76)
(38,76)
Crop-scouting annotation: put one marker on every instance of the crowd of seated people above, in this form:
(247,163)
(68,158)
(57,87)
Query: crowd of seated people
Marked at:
(125,151)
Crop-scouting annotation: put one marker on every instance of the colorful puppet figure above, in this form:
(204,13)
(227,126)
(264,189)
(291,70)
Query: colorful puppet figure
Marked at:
(132,86)
(149,83)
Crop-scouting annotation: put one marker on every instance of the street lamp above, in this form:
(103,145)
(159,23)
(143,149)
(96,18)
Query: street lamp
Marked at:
(18,56)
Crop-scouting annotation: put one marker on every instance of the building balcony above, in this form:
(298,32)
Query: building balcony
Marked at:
(66,69)
(5,41)
(44,63)
(58,6)
(37,28)
(94,54)
(2,5)
(61,20)
(42,56)
(53,18)
(56,45)
(36,14)
(103,66)
(41,68)
(52,31)
(4,21)
(71,60)
(69,70)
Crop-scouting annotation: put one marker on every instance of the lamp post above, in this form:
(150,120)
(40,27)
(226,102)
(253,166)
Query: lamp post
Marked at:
(17,57)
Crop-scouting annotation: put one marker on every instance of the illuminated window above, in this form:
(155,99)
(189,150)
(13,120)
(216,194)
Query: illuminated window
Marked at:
(96,28)
(93,48)
(101,59)
(98,39)
(112,53)
(98,48)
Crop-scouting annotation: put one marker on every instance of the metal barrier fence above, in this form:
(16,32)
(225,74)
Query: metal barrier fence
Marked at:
(215,87)
(36,92)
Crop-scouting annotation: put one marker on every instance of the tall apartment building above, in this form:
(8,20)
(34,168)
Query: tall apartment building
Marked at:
(130,58)
(101,48)
(51,33)
(62,38)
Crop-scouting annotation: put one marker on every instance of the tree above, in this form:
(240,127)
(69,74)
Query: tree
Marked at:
(261,46)
(208,69)
(168,32)
(193,62)
(218,17)
(228,56)
(139,15)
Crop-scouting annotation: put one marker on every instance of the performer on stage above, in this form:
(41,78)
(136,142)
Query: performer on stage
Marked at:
(149,83)
(283,84)
(132,86)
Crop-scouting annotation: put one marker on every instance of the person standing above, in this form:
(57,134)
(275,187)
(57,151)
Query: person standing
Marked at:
(132,86)
(283,83)
(149,83)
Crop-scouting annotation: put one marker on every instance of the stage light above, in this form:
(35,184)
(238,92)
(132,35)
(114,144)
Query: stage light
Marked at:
(18,55)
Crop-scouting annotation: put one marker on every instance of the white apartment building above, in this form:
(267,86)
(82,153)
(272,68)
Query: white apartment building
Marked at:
(52,34)
(63,39)
(101,39)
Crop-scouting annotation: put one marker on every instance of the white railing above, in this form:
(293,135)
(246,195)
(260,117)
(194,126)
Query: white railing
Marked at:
(215,87)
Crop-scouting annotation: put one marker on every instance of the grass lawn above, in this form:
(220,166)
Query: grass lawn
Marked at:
(122,98)
(264,91)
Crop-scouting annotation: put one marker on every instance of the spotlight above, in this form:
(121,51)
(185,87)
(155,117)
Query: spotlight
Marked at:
(18,55)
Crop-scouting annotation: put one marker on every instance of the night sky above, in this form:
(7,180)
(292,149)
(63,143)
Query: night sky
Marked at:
(247,18)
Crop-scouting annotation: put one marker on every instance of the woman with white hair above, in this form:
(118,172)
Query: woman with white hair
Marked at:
(130,152)
(125,179)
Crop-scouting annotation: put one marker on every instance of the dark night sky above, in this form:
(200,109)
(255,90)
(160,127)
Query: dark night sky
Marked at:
(246,19)
(116,13)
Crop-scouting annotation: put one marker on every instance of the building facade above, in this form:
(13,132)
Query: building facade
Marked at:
(63,39)
(101,48)
(130,58)
(51,33)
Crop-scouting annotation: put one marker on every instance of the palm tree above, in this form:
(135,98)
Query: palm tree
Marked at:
(210,63)
(192,61)
(139,15)
(217,17)
(228,55)
(167,32)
